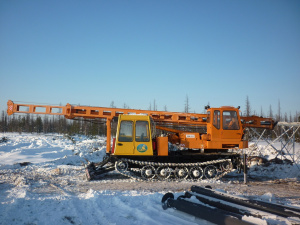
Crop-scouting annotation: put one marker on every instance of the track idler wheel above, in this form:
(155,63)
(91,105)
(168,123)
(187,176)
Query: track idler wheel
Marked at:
(227,166)
(181,173)
(163,173)
(148,172)
(196,173)
(121,166)
(210,171)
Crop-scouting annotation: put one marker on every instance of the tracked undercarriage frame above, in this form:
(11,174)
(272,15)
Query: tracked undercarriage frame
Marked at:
(202,166)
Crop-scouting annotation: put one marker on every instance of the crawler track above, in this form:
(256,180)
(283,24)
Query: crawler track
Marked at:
(141,170)
(152,171)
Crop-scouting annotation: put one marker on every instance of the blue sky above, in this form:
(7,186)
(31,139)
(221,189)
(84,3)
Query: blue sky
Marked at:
(132,52)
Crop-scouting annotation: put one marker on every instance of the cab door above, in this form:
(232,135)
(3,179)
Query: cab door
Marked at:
(214,129)
(143,143)
(231,125)
(124,141)
(216,126)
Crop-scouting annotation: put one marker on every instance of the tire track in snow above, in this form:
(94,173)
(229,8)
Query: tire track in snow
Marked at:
(142,208)
(134,213)
(83,209)
(104,209)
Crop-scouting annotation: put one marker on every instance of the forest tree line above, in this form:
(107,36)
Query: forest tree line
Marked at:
(59,124)
(32,123)
(50,124)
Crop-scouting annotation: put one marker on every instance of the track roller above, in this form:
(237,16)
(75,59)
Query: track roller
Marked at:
(148,172)
(181,173)
(196,173)
(210,171)
(163,173)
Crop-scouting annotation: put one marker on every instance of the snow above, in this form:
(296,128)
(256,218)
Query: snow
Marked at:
(89,208)
(276,171)
(42,181)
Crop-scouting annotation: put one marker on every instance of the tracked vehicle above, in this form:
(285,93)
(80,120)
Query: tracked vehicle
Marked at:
(187,146)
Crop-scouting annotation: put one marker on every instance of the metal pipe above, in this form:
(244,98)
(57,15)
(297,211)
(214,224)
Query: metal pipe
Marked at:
(254,204)
(212,215)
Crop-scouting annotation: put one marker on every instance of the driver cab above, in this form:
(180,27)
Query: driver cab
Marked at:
(225,128)
(134,136)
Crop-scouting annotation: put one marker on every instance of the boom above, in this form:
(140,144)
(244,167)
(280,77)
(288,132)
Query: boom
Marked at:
(71,112)
(209,120)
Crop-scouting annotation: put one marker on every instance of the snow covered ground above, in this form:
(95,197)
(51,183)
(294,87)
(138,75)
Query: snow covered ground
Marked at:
(42,181)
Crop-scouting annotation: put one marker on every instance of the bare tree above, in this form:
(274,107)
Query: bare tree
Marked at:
(154,105)
(286,117)
(3,123)
(248,108)
(154,108)
(270,112)
(278,118)
(112,104)
(187,105)
(261,112)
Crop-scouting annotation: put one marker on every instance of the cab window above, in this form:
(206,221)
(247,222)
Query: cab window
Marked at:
(142,131)
(126,131)
(216,119)
(230,120)
(208,117)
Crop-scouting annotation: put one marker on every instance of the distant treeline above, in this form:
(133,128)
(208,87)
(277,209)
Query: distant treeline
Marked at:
(50,124)
(59,124)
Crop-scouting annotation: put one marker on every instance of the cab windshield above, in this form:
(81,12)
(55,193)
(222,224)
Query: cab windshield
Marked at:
(142,132)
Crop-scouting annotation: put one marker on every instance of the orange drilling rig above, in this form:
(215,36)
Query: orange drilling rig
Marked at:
(190,145)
